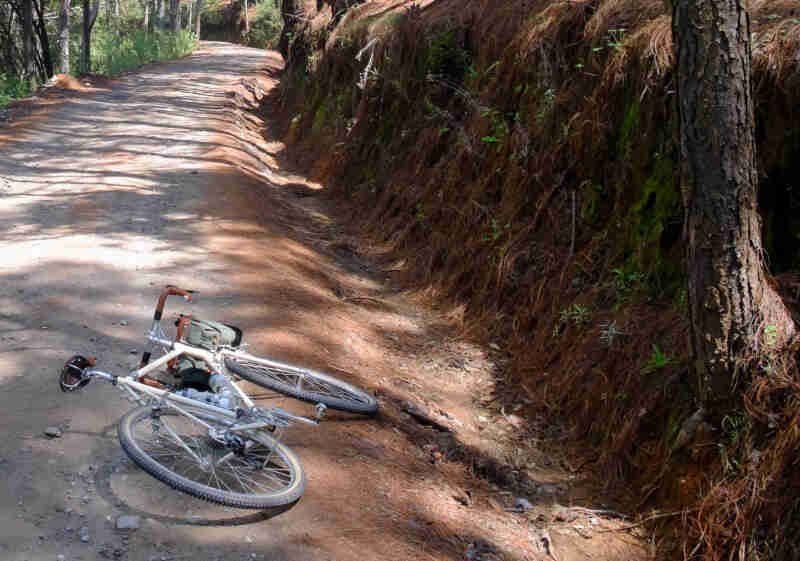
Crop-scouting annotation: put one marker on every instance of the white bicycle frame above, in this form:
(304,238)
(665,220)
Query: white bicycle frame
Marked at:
(134,387)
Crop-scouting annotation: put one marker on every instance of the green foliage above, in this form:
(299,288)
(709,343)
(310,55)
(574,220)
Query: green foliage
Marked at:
(447,57)
(735,428)
(657,361)
(616,38)
(500,128)
(265,29)
(12,88)
(575,314)
(496,231)
(112,55)
(626,281)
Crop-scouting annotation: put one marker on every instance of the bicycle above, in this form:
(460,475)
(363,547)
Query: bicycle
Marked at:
(207,438)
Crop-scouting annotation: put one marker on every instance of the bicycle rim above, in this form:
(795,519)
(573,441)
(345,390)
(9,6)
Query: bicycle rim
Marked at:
(256,471)
(303,383)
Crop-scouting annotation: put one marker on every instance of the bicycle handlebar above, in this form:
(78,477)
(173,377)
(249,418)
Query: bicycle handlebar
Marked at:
(168,291)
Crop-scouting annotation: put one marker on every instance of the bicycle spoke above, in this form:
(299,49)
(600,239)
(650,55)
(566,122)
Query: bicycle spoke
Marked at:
(188,449)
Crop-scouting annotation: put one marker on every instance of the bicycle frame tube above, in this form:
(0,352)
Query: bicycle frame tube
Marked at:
(208,357)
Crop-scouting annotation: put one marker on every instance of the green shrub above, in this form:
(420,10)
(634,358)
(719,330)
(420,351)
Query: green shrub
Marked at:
(265,29)
(12,88)
(112,54)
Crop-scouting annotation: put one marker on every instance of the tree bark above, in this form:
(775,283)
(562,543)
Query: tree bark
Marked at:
(90,12)
(46,65)
(174,21)
(198,10)
(63,36)
(293,13)
(734,313)
(161,11)
(27,39)
(246,17)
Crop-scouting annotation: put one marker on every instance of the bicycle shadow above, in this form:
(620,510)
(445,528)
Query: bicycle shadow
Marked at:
(113,478)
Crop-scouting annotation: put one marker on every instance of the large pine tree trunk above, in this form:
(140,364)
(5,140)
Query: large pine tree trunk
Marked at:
(734,312)
(246,17)
(63,36)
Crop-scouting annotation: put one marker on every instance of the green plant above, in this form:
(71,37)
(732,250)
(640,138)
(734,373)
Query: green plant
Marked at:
(447,57)
(770,335)
(114,54)
(616,38)
(496,231)
(658,360)
(626,282)
(12,88)
(500,128)
(735,428)
(265,30)
(575,314)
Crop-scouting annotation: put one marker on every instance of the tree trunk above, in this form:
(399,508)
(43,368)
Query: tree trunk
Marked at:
(189,16)
(734,312)
(293,13)
(173,15)
(162,11)
(63,36)
(46,70)
(90,12)
(246,17)
(146,21)
(27,39)
(199,10)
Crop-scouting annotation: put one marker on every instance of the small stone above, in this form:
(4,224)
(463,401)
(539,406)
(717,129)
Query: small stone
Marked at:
(523,504)
(249,539)
(128,522)
(84,534)
(60,557)
(123,322)
(134,351)
(53,432)
(494,346)
(45,327)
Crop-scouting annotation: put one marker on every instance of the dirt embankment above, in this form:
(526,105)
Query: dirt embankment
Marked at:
(518,162)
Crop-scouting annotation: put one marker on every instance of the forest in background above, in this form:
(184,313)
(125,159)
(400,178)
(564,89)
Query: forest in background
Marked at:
(43,38)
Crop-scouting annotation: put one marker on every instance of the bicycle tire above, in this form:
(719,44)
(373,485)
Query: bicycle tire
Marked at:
(165,465)
(303,383)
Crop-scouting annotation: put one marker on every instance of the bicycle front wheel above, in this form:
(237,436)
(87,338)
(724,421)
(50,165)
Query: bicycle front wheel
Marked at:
(199,456)
(302,383)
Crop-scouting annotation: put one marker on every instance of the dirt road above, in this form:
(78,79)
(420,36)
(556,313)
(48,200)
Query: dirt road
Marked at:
(163,178)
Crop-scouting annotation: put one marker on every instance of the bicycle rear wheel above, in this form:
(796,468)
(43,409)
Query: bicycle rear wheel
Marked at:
(302,383)
(242,469)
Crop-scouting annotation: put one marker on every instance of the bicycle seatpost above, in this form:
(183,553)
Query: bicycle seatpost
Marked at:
(168,291)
